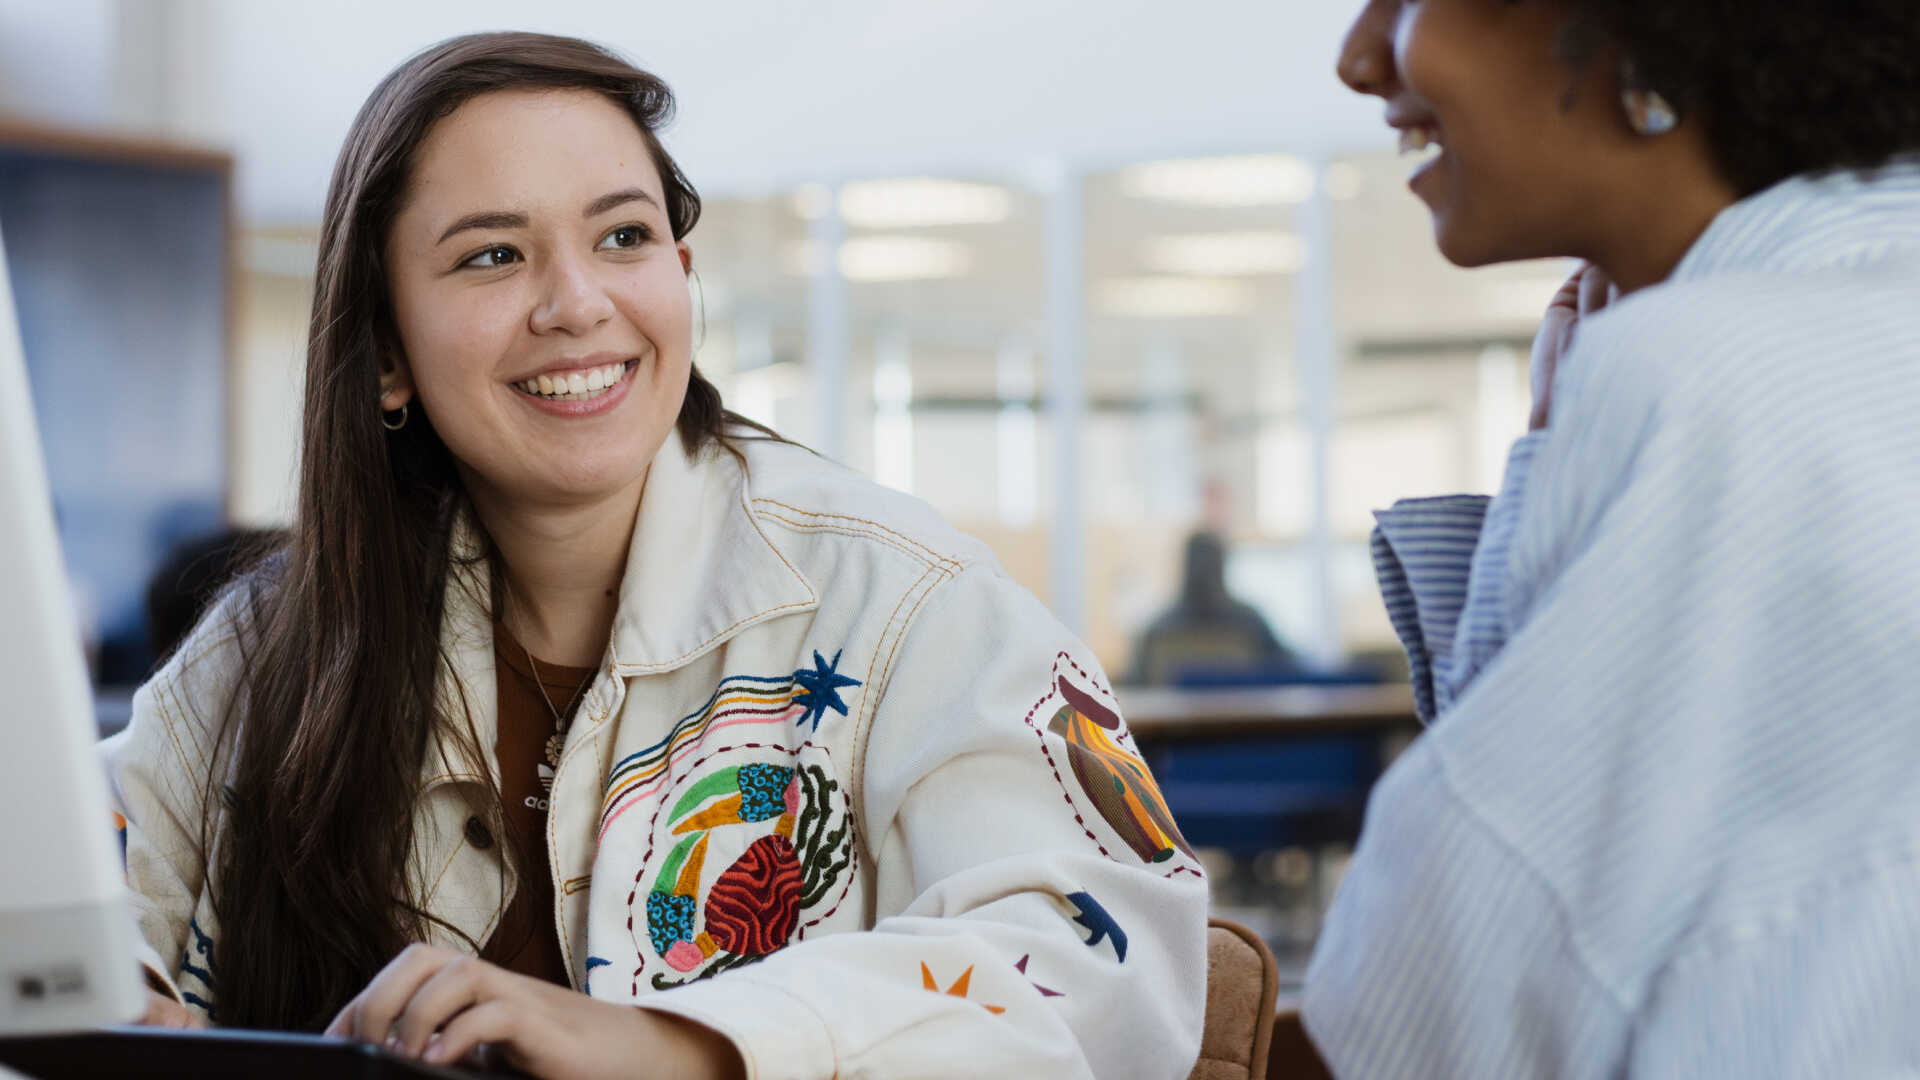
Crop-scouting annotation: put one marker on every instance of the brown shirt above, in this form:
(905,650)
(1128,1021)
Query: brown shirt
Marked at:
(525,940)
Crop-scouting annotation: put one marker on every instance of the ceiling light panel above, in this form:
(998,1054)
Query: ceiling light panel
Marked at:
(1173,297)
(902,258)
(1245,180)
(922,202)
(1231,254)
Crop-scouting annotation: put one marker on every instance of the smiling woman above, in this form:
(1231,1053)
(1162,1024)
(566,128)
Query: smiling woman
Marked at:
(1527,152)
(528,250)
(534,717)
(1623,848)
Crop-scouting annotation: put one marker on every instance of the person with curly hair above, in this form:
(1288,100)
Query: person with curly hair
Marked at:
(1665,819)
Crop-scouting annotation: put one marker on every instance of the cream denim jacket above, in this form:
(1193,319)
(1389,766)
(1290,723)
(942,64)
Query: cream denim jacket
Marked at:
(841,790)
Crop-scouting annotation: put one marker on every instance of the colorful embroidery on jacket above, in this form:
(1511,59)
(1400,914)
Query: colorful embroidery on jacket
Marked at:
(586,982)
(1021,967)
(958,989)
(700,922)
(1100,924)
(802,697)
(820,689)
(1108,774)
(201,944)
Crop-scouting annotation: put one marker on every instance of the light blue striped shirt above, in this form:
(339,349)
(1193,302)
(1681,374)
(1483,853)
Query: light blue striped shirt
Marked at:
(1441,565)
(1668,824)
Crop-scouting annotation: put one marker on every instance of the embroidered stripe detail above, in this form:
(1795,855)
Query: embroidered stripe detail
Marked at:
(690,736)
(772,692)
(685,741)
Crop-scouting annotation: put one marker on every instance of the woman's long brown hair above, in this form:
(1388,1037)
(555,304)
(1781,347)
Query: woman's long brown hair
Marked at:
(340,633)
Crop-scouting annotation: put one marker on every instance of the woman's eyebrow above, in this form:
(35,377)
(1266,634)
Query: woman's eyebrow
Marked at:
(485,219)
(616,198)
(506,219)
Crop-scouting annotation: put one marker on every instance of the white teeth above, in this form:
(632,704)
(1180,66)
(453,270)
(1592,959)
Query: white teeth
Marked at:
(1415,139)
(576,385)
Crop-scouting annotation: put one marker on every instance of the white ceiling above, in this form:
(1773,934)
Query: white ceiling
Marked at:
(772,92)
(775,93)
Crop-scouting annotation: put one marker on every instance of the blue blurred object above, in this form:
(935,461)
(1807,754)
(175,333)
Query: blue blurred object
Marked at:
(1246,795)
(1213,677)
(119,268)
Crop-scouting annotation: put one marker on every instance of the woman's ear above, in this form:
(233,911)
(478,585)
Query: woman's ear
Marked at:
(686,256)
(396,381)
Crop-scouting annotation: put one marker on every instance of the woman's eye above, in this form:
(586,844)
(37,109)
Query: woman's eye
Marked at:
(498,255)
(626,236)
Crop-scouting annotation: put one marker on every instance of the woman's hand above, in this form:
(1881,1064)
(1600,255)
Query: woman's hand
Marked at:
(163,1011)
(1586,292)
(445,1007)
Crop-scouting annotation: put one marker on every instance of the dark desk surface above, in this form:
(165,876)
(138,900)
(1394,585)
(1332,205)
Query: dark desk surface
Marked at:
(1158,713)
(166,1054)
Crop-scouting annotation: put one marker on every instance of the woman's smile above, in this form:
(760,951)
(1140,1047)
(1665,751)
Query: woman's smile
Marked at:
(573,388)
(1420,141)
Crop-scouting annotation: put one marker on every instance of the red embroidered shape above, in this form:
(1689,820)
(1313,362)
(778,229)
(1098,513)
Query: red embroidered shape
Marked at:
(754,906)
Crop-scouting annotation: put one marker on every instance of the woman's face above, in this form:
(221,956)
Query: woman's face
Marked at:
(540,298)
(1527,145)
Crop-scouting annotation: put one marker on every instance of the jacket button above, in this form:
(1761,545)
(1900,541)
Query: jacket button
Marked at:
(478,834)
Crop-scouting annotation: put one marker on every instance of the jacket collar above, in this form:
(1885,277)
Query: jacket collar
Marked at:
(466,680)
(1814,222)
(699,570)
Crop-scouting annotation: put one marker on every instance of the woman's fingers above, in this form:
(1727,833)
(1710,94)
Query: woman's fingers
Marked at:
(163,1011)
(488,1022)
(372,1012)
(445,995)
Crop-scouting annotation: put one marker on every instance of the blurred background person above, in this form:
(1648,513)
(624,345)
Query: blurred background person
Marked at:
(1207,631)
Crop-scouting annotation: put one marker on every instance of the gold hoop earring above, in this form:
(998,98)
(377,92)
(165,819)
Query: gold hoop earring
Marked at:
(394,425)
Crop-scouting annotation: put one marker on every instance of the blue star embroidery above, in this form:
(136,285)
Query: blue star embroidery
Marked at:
(820,689)
(1095,918)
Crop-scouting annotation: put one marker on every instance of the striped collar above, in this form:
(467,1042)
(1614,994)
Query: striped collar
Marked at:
(1814,222)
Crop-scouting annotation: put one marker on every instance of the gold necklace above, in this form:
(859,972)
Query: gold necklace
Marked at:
(558,740)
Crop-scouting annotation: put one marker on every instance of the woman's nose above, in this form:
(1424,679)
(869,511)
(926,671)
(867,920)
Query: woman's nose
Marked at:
(1366,56)
(575,302)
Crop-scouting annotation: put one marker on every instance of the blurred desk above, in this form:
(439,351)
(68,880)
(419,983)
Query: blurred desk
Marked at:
(1160,715)
(1259,770)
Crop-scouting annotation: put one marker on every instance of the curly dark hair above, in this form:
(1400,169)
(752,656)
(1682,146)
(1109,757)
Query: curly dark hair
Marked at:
(1783,86)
